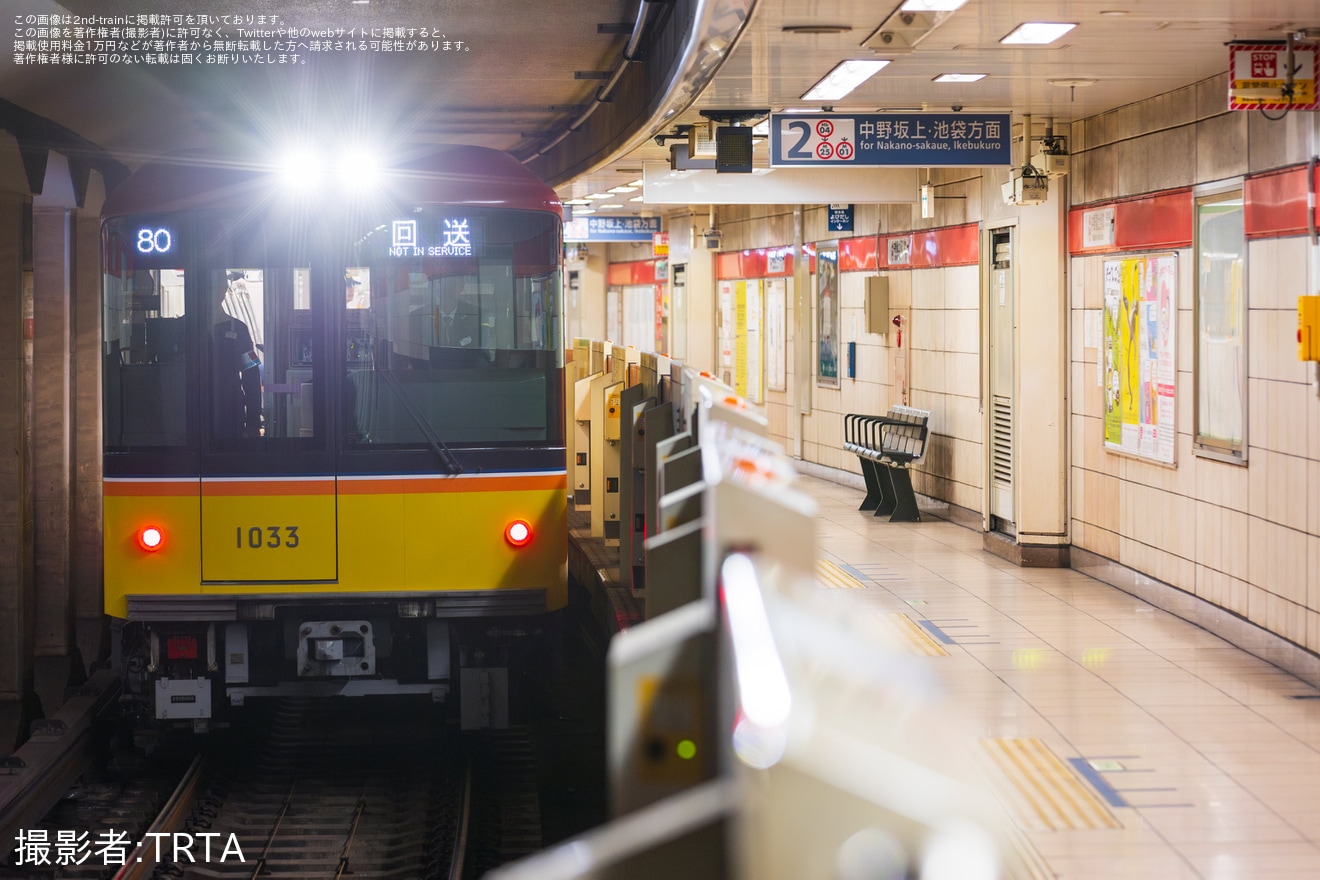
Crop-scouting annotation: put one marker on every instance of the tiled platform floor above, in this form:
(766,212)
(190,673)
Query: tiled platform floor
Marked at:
(1206,757)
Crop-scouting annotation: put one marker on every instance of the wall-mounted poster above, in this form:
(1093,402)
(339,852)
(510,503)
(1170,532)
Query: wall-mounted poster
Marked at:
(827,318)
(1140,326)
(900,250)
(776,346)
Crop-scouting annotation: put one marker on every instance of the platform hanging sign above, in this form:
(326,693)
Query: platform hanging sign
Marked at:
(842,140)
(1258,77)
(611,229)
(840,218)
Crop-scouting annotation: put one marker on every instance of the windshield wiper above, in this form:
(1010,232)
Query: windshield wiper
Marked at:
(432,438)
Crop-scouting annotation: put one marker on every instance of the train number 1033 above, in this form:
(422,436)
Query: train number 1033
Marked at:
(272,537)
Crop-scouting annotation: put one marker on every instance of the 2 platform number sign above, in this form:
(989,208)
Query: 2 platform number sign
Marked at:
(822,139)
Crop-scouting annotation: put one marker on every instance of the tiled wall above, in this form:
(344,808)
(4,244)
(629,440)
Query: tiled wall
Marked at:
(941,348)
(1243,537)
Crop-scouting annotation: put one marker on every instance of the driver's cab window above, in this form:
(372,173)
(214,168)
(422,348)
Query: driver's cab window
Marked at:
(260,332)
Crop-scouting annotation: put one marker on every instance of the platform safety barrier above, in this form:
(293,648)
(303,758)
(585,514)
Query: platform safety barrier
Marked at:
(757,729)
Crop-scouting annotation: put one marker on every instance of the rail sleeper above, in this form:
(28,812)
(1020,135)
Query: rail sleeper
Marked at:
(885,446)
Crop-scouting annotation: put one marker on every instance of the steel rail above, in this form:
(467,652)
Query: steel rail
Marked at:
(143,857)
(274,831)
(461,833)
(352,833)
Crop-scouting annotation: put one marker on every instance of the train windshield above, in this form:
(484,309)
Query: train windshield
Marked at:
(452,330)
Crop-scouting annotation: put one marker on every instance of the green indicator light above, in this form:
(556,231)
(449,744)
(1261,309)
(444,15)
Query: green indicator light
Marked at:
(687,749)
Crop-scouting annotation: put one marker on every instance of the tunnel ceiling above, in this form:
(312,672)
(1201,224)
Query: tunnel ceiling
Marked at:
(517,86)
(523,70)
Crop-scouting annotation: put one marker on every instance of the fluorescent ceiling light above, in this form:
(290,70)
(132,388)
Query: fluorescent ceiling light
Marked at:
(597,196)
(637,182)
(1038,32)
(577,201)
(623,189)
(578,212)
(637,199)
(959,77)
(608,207)
(845,77)
(932,5)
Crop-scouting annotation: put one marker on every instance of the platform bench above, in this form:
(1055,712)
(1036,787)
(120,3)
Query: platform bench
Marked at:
(885,446)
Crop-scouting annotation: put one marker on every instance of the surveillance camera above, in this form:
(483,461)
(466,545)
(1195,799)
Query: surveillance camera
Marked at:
(907,18)
(886,38)
(659,140)
(956,108)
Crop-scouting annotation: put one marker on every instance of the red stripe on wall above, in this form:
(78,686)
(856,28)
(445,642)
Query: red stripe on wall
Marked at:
(1161,220)
(635,272)
(1274,207)
(730,265)
(1164,220)
(858,254)
(1275,203)
(951,246)
(931,249)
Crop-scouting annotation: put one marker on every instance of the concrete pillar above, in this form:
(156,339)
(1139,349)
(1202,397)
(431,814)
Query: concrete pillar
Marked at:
(15,477)
(54,253)
(1040,480)
(86,564)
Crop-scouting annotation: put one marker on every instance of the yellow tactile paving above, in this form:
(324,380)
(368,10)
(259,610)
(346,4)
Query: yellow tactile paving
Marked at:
(914,636)
(1047,794)
(830,575)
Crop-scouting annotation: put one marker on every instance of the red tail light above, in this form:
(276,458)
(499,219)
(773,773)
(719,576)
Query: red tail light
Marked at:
(518,533)
(150,538)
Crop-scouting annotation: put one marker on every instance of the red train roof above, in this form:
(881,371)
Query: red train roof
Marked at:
(457,175)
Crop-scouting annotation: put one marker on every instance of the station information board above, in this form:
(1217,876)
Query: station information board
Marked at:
(612,229)
(890,139)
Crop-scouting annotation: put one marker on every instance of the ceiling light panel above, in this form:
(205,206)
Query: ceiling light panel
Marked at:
(846,76)
(1037,33)
(959,77)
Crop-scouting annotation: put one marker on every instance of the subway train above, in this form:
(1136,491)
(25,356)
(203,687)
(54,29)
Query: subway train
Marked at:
(333,429)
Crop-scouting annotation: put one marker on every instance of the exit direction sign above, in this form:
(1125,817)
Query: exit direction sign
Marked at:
(850,140)
(1257,73)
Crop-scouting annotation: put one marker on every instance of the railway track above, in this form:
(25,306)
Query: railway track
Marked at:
(332,790)
(305,789)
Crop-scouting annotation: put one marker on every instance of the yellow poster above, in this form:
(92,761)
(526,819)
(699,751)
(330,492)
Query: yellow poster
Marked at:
(1140,371)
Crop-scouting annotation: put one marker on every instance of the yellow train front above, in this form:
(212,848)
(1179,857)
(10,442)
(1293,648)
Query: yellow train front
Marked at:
(334,457)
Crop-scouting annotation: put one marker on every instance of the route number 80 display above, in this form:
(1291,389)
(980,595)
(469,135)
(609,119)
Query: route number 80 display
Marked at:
(154,241)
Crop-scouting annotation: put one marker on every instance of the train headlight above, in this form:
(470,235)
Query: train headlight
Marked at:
(301,170)
(359,170)
(518,533)
(150,538)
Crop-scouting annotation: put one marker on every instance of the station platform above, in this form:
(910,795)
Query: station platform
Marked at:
(1122,741)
